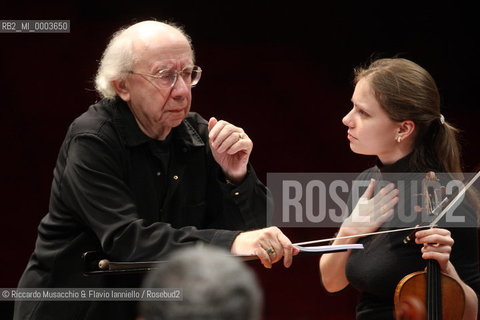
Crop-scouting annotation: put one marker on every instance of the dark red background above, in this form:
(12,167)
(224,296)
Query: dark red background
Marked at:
(282,72)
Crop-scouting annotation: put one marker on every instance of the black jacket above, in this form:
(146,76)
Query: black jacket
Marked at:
(112,193)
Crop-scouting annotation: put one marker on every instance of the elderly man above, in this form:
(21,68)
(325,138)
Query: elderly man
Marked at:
(139,175)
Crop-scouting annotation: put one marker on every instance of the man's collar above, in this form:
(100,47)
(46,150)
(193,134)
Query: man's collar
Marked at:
(125,121)
(185,134)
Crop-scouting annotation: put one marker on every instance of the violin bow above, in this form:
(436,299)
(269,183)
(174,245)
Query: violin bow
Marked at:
(431,225)
(454,200)
(360,235)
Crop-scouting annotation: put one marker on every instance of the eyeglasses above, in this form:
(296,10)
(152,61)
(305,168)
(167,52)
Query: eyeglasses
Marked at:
(168,77)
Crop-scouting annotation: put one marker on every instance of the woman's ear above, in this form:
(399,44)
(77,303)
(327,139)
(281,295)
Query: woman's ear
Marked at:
(121,89)
(406,129)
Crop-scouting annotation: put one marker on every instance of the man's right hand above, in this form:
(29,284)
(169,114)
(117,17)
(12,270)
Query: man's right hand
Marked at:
(268,244)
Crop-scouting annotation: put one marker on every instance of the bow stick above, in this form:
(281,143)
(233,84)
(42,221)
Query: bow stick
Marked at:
(431,225)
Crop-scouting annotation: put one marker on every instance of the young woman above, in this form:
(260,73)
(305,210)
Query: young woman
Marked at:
(396,117)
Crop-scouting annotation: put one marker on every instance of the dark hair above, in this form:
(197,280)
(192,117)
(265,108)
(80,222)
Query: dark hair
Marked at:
(406,91)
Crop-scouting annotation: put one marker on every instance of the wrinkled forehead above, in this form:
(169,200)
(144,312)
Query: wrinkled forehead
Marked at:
(169,48)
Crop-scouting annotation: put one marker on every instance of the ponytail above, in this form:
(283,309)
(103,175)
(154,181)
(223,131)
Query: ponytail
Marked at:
(446,147)
(436,147)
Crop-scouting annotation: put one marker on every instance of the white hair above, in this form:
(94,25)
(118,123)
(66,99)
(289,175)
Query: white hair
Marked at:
(119,58)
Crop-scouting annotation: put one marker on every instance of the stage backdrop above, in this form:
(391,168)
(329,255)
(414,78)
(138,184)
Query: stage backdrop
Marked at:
(281,72)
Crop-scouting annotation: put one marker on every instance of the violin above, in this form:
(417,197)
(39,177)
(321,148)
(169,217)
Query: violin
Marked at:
(440,295)
(428,294)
